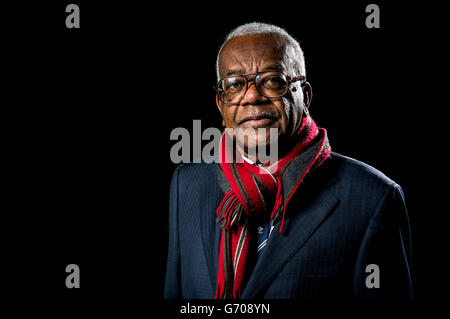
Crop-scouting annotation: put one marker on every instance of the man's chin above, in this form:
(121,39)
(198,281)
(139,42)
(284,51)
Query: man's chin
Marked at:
(254,147)
(258,123)
(257,134)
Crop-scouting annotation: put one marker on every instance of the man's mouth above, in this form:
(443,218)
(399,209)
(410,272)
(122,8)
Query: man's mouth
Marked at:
(260,120)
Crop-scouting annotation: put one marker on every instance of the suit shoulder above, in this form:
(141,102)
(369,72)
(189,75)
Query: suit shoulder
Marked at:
(196,185)
(352,170)
(196,173)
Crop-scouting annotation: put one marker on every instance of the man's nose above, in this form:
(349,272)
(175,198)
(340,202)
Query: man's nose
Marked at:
(252,96)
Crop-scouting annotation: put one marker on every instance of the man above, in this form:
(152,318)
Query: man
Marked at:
(312,224)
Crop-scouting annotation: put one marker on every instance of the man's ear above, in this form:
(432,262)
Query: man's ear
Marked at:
(307,94)
(219,106)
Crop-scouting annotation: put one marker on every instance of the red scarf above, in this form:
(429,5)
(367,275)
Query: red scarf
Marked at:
(252,191)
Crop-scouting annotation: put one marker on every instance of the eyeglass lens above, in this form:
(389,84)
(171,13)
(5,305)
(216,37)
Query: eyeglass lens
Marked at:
(269,84)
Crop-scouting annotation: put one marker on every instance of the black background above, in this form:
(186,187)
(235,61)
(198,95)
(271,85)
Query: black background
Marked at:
(89,111)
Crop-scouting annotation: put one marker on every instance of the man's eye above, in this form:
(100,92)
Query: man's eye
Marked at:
(233,85)
(274,82)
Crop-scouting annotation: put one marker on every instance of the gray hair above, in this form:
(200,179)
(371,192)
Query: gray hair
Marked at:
(295,60)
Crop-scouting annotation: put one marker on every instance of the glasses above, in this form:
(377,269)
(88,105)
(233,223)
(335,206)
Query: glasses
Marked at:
(269,84)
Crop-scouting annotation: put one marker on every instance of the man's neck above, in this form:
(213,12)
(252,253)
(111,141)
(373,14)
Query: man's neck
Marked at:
(254,158)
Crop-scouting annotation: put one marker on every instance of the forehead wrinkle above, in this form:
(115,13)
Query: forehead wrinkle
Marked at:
(236,65)
(269,66)
(247,54)
(239,66)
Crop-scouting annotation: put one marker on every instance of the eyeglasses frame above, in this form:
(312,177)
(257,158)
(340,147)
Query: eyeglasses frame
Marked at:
(289,80)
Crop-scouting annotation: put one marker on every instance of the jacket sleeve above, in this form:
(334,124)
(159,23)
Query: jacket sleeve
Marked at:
(172,287)
(382,269)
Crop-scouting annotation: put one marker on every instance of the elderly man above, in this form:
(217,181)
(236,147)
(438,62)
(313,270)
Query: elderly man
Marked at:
(311,224)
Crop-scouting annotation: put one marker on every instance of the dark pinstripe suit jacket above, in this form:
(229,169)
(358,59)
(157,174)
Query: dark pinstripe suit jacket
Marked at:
(345,216)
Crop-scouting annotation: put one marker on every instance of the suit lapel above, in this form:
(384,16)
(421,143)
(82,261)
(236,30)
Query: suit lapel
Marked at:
(210,229)
(281,247)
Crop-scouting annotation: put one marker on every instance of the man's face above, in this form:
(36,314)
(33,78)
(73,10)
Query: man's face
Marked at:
(251,54)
